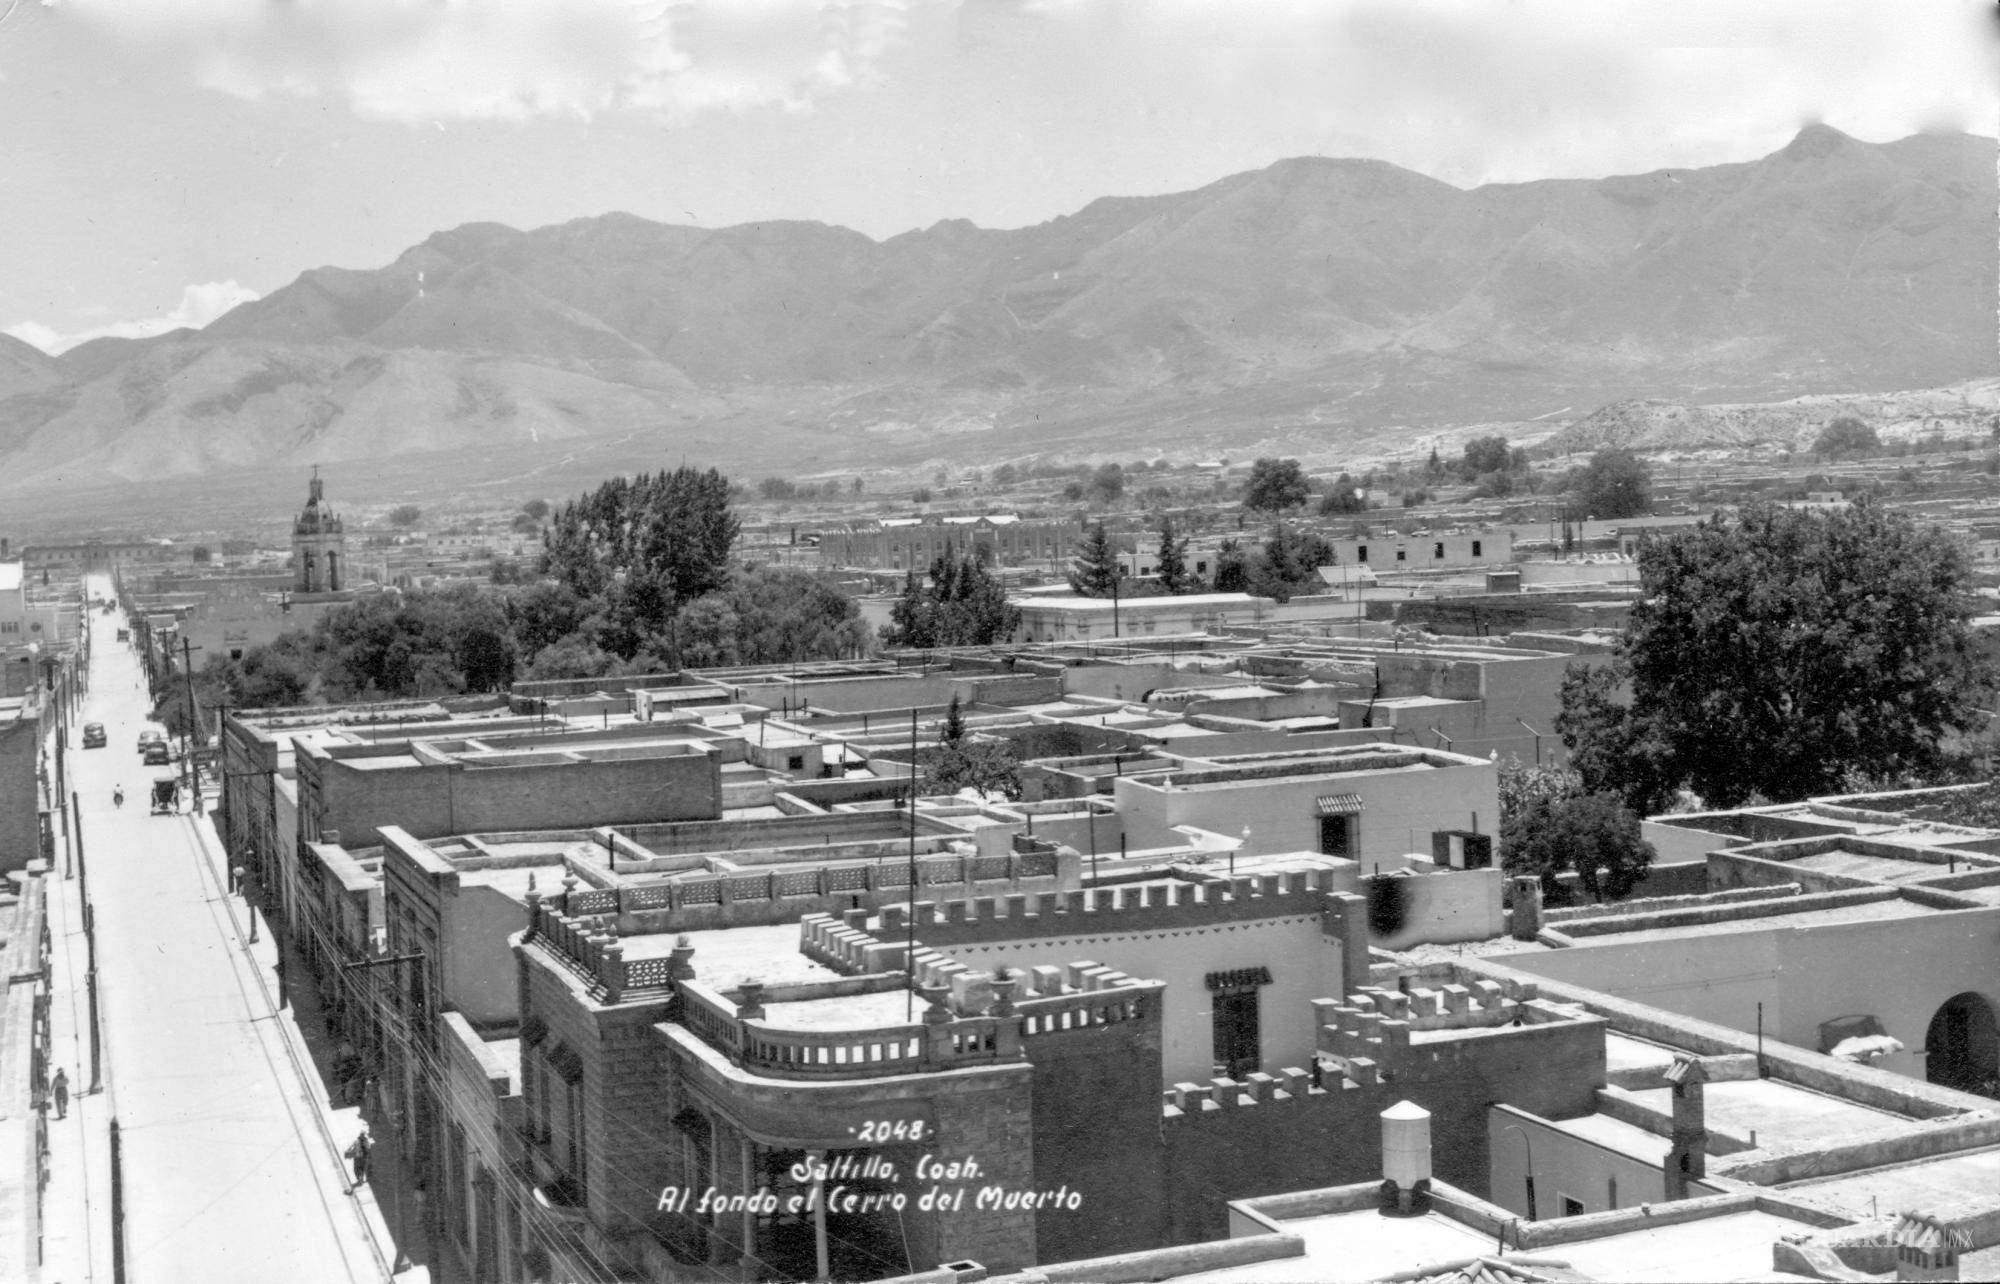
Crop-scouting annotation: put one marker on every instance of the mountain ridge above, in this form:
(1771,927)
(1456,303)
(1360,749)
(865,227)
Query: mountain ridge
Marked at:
(1352,290)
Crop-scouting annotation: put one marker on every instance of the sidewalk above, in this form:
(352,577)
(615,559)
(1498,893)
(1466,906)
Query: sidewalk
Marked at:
(76,1207)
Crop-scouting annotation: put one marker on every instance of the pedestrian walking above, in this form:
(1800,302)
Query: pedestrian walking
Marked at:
(357,1153)
(59,1088)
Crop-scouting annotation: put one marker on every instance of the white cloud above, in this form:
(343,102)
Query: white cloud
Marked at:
(420,60)
(199,305)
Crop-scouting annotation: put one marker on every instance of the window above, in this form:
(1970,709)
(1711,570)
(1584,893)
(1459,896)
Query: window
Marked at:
(1437,549)
(795,762)
(1571,1207)
(1236,1032)
(1360,552)
(1338,835)
(1475,548)
(1402,555)
(1611,1193)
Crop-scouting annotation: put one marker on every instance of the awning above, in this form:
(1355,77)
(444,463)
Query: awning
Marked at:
(1339,804)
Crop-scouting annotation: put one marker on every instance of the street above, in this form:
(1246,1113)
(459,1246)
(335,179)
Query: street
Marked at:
(230,1156)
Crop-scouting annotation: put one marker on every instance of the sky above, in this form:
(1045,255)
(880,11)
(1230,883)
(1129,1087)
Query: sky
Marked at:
(164,160)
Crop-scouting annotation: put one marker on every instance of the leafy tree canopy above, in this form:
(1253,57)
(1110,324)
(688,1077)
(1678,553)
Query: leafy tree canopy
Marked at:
(1615,483)
(958,604)
(1275,485)
(1484,455)
(405,515)
(1342,497)
(1776,653)
(1595,835)
(1846,436)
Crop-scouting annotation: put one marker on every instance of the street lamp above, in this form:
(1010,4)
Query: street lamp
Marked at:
(1528,1142)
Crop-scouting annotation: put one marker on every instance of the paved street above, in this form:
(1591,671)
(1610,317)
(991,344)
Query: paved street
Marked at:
(231,1164)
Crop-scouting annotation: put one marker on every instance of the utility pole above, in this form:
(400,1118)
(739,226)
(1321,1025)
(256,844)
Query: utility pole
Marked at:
(193,722)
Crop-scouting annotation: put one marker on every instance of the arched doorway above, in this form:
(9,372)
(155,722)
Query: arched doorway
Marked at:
(1963,1043)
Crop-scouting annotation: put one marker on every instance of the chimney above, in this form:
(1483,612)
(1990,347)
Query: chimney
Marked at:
(1688,1159)
(331,837)
(1524,919)
(1406,1154)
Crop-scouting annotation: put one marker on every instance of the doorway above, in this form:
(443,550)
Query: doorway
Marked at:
(1963,1044)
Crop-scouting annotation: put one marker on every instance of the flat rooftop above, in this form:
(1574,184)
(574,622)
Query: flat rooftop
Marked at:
(512,881)
(725,958)
(1926,1183)
(1359,1245)
(846,1012)
(1782,1112)
(1880,869)
(1872,911)
(1732,1247)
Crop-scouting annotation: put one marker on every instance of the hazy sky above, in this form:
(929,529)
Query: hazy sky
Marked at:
(161,160)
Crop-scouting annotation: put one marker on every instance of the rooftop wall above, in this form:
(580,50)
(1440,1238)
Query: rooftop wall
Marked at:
(434,800)
(1803,974)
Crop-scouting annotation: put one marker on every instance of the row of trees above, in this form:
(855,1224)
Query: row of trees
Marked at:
(1615,483)
(636,576)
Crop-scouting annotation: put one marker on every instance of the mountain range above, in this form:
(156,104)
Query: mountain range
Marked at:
(1314,299)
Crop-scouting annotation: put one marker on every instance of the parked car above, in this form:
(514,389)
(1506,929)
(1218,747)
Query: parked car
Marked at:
(157,754)
(93,735)
(150,736)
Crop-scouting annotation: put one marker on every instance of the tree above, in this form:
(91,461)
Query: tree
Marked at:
(673,529)
(1005,475)
(1275,485)
(1595,835)
(1846,436)
(1106,484)
(1342,497)
(1778,651)
(958,604)
(537,509)
(1232,568)
(1097,571)
(776,488)
(1615,483)
(1174,576)
(1484,455)
(201,555)
(960,762)
(405,515)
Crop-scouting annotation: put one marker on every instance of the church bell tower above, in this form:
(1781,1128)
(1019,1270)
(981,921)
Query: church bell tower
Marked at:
(319,548)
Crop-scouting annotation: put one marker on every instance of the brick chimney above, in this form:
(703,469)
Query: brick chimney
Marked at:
(1688,1159)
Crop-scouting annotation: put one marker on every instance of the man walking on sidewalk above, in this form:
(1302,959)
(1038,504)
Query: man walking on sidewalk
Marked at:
(59,1088)
(358,1153)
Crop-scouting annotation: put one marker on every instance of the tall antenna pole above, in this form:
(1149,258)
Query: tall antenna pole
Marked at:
(910,957)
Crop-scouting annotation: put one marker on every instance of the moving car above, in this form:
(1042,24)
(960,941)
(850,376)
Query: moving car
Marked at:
(150,736)
(93,735)
(157,754)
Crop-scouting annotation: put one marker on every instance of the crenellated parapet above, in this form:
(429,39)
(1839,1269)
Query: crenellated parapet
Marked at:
(1163,905)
